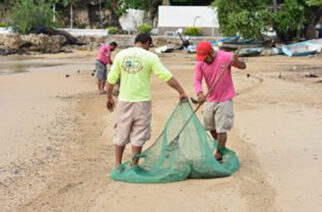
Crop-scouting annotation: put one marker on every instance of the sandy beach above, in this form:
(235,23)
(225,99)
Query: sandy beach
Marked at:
(56,147)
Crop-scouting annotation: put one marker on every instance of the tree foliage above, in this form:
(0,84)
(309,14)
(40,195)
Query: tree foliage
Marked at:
(317,3)
(68,2)
(191,2)
(27,14)
(120,6)
(289,20)
(245,17)
(250,18)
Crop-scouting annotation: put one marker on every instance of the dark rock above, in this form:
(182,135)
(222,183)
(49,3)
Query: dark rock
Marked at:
(310,75)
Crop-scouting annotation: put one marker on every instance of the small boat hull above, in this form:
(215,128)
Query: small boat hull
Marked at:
(298,49)
(249,52)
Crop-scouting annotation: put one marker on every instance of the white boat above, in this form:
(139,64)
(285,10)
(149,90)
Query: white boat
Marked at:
(316,44)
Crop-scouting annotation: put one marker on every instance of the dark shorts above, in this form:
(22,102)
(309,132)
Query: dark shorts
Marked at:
(101,70)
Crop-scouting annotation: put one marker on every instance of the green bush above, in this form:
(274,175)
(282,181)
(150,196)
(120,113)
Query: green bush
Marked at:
(112,30)
(3,24)
(193,31)
(145,28)
(27,14)
(250,18)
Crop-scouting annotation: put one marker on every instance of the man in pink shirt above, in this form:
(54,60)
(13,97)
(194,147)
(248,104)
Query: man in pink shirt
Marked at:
(218,111)
(103,58)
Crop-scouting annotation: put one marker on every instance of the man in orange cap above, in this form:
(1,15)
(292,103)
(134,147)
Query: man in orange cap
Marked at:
(218,114)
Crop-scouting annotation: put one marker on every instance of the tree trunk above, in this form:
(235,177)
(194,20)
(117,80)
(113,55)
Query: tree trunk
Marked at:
(54,11)
(153,11)
(71,16)
(165,2)
(310,31)
(115,16)
(275,6)
(101,18)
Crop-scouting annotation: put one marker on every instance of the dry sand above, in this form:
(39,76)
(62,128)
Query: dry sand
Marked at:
(56,146)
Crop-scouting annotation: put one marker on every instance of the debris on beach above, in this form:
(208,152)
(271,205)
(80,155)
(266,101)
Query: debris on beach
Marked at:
(165,49)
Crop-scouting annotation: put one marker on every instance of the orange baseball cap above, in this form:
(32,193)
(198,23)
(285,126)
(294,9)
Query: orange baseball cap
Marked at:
(203,49)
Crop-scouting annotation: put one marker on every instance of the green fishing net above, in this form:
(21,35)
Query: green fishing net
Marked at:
(183,150)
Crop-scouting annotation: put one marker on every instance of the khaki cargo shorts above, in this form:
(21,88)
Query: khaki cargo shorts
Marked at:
(133,123)
(218,116)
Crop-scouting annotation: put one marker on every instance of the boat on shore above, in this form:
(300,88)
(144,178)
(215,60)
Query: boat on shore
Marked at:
(299,49)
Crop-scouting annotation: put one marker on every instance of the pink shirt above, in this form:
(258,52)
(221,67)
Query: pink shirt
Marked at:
(104,54)
(224,89)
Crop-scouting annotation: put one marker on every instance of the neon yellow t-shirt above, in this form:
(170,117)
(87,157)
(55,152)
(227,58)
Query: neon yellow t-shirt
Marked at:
(133,66)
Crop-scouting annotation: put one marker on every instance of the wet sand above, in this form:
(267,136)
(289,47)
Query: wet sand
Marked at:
(56,140)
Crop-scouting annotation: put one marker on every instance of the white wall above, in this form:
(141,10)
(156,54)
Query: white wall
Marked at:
(86,32)
(5,30)
(184,16)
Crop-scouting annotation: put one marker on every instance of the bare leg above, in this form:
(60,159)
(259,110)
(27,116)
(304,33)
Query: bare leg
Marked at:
(214,134)
(222,138)
(99,85)
(119,154)
(103,85)
(100,89)
(136,150)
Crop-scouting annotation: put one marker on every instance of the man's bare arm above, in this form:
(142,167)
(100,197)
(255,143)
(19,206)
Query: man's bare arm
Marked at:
(173,83)
(110,104)
(238,63)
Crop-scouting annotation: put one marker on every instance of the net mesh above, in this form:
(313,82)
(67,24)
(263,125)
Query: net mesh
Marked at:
(183,150)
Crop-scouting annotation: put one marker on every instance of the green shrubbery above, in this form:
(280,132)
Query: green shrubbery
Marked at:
(3,24)
(145,28)
(193,31)
(112,30)
(27,14)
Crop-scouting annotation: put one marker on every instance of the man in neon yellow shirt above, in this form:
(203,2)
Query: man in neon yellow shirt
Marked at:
(134,66)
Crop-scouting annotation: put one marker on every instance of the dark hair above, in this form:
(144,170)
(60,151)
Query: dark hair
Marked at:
(113,44)
(143,38)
